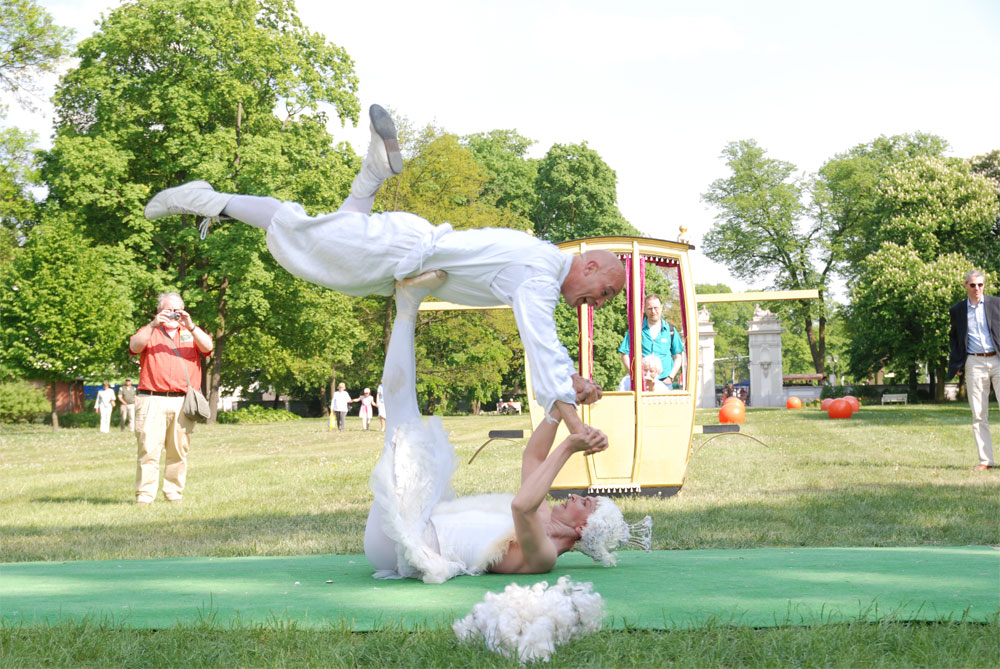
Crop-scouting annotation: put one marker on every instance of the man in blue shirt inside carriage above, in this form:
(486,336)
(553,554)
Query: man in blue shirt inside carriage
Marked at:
(658,338)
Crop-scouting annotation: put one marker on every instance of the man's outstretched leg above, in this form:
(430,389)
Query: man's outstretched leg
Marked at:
(198,198)
(382,161)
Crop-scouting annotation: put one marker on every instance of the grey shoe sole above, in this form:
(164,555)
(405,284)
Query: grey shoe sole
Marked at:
(386,129)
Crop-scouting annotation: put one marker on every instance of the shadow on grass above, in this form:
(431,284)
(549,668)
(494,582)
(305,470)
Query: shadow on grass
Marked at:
(86,500)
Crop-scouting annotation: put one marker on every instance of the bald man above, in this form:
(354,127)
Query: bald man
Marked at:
(358,253)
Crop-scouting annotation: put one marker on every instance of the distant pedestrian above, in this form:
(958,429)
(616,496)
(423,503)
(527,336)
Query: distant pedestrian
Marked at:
(380,405)
(126,403)
(105,405)
(338,407)
(365,412)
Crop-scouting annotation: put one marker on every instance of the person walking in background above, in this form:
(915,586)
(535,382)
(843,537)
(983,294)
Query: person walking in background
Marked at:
(380,405)
(170,349)
(974,340)
(339,405)
(126,400)
(365,412)
(105,405)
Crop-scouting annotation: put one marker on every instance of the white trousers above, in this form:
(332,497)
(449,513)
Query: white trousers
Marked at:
(399,381)
(106,412)
(980,373)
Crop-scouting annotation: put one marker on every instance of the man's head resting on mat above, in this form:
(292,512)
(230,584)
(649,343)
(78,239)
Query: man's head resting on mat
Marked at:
(594,278)
(602,527)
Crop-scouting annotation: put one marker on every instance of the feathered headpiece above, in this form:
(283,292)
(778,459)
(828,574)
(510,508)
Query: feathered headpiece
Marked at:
(606,531)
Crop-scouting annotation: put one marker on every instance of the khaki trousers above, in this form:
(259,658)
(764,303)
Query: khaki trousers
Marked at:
(980,372)
(159,423)
(128,416)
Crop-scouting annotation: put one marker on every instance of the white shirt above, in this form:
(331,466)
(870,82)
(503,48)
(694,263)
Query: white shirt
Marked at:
(341,400)
(105,396)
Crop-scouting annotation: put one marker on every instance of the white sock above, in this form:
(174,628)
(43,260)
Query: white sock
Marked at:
(252,210)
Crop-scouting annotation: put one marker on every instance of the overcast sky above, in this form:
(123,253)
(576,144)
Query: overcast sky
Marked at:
(659,87)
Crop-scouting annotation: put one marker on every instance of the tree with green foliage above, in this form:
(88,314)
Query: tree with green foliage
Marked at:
(18,174)
(511,174)
(988,166)
(939,206)
(757,233)
(946,215)
(845,194)
(577,196)
(66,316)
(30,44)
(899,312)
(167,91)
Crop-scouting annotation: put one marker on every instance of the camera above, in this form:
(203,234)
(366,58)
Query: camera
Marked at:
(174,316)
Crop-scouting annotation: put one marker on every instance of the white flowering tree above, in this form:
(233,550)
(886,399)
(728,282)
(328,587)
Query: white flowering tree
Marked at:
(937,223)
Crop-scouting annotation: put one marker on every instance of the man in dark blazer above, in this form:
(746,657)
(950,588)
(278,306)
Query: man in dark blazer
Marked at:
(975,348)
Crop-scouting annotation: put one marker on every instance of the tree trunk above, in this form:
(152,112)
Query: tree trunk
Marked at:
(477,407)
(939,386)
(52,394)
(213,382)
(817,343)
(913,379)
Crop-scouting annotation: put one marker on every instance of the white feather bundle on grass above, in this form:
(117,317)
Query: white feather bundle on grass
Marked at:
(529,622)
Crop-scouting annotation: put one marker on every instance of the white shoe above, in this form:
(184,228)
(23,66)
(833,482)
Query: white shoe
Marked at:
(383,159)
(194,197)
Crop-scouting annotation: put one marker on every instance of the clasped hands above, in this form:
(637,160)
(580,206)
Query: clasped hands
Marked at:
(588,441)
(587,392)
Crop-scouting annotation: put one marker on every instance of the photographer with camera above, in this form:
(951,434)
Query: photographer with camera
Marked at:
(170,349)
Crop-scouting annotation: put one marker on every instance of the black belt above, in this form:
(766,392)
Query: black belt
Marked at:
(985,355)
(161,393)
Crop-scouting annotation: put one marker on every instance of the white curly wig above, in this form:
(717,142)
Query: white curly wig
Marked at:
(606,531)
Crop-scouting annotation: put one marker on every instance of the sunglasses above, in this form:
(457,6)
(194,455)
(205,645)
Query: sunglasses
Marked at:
(975,285)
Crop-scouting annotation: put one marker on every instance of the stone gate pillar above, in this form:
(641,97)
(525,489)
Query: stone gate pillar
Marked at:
(706,360)
(765,360)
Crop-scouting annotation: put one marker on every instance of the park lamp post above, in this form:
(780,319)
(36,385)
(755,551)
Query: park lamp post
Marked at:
(831,360)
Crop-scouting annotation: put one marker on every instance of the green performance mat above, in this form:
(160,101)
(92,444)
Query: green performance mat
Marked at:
(657,590)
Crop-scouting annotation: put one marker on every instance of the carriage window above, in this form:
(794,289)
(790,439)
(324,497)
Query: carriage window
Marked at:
(661,276)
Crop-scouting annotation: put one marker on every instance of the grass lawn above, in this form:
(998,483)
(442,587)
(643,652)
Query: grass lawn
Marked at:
(889,476)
